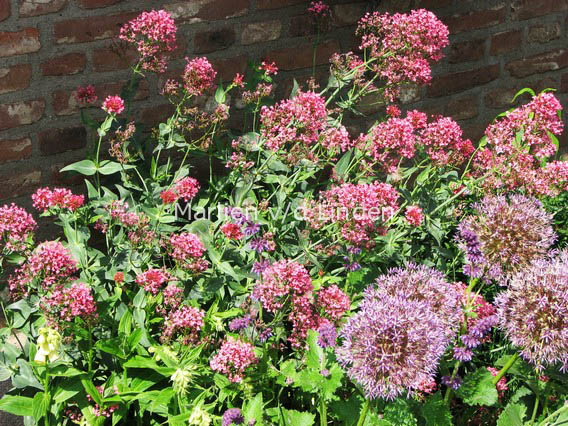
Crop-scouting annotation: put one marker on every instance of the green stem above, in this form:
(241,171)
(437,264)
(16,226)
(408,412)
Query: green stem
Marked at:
(47,393)
(364,412)
(90,360)
(505,368)
(323,412)
(535,410)
(553,415)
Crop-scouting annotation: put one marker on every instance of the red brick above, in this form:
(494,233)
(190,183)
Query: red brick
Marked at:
(92,4)
(475,20)
(19,42)
(58,178)
(504,42)
(462,108)
(460,81)
(301,26)
(211,41)
(21,113)
(544,33)
(261,32)
(207,10)
(35,8)
(227,68)
(500,98)
(528,9)
(466,51)
(15,149)
(543,62)
(348,14)
(152,116)
(88,29)
(564,83)
(276,4)
(18,183)
(55,141)
(433,4)
(293,58)
(5,10)
(71,63)
(113,58)
(15,78)
(65,103)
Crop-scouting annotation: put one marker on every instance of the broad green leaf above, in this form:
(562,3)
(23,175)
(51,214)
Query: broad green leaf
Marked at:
(512,415)
(253,409)
(478,388)
(297,418)
(399,412)
(18,405)
(85,167)
(40,405)
(436,412)
(343,163)
(92,390)
(111,167)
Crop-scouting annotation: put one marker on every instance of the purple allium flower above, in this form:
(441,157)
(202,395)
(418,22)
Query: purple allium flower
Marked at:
(463,354)
(327,335)
(259,245)
(454,383)
(424,284)
(251,228)
(240,323)
(504,236)
(392,345)
(533,311)
(233,416)
(260,266)
(265,334)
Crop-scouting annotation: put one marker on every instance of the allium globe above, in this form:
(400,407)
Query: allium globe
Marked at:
(392,345)
(504,235)
(423,284)
(533,311)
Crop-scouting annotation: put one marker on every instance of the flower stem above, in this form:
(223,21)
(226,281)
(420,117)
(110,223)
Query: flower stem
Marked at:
(505,368)
(553,415)
(323,412)
(364,412)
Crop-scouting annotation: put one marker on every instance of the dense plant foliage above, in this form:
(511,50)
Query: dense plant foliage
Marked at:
(307,275)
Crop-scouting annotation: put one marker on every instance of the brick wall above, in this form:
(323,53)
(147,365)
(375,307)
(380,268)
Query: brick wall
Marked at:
(49,47)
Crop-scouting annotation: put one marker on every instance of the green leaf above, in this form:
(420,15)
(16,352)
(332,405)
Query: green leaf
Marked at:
(40,405)
(297,418)
(111,167)
(253,409)
(525,90)
(92,390)
(436,412)
(399,413)
(343,163)
(295,89)
(18,405)
(478,388)
(512,415)
(315,356)
(85,167)
(220,95)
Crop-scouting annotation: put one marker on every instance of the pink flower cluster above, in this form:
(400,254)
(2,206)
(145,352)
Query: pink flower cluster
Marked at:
(403,45)
(16,226)
(501,384)
(72,302)
(517,145)
(333,301)
(233,358)
(49,264)
(152,280)
(398,138)
(185,322)
(113,105)
(154,35)
(198,76)
(86,95)
(186,249)
(186,188)
(119,210)
(414,215)
(60,198)
(319,9)
(232,231)
(297,124)
(359,209)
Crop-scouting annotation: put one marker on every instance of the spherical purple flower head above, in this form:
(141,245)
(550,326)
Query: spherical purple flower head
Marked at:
(240,323)
(421,283)
(327,335)
(233,416)
(392,345)
(533,311)
(505,236)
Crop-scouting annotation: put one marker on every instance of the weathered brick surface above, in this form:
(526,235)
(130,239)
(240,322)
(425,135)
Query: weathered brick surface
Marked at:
(71,63)
(19,42)
(50,47)
(15,78)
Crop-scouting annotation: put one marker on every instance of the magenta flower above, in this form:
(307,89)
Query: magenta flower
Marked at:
(113,105)
(16,226)
(152,280)
(187,188)
(185,323)
(414,215)
(233,358)
(62,198)
(198,76)
(71,302)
